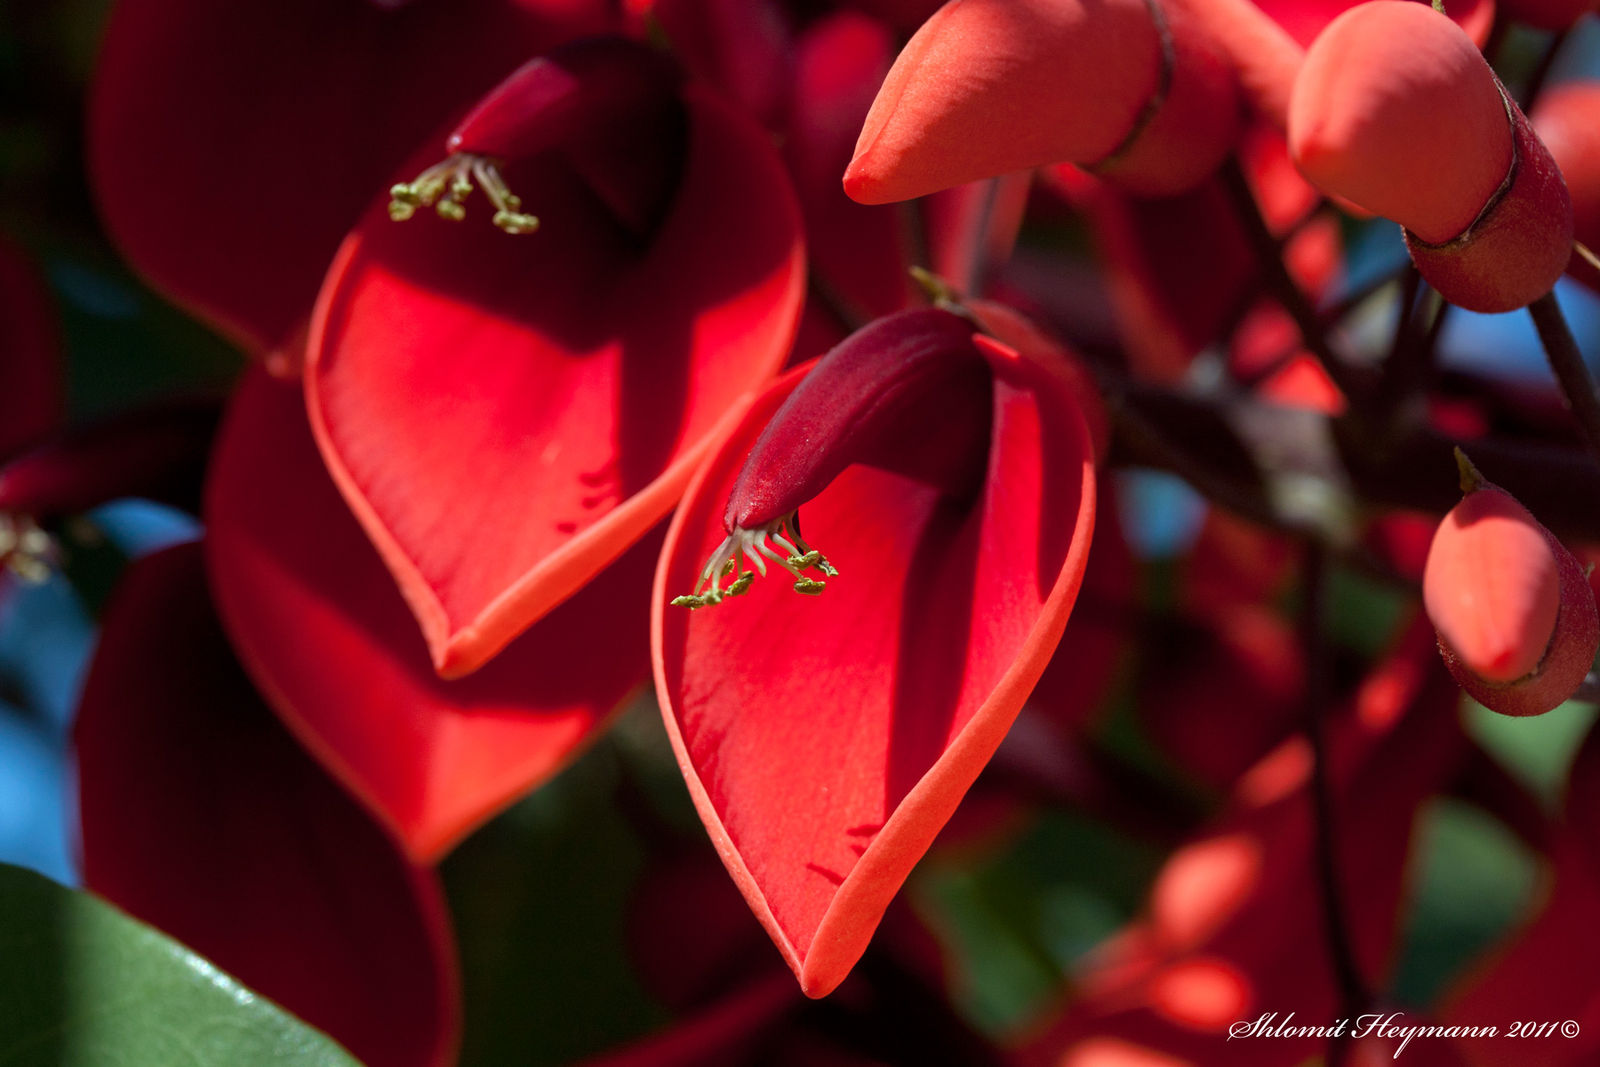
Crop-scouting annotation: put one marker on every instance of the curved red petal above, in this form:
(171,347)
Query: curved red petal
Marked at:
(320,626)
(232,146)
(203,817)
(825,741)
(507,415)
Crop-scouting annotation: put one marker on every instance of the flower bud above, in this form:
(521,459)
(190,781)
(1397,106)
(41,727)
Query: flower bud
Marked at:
(1396,111)
(1514,612)
(1131,88)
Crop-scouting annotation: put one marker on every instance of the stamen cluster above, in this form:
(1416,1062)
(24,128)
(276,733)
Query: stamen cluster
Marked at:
(445,187)
(26,550)
(728,562)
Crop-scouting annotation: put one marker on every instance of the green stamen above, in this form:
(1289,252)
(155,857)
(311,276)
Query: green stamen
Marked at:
(741,545)
(460,174)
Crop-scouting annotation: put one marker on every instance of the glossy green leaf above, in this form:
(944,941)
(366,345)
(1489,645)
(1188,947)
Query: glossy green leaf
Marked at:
(83,984)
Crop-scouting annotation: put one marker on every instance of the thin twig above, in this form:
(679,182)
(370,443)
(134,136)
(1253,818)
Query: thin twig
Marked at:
(1589,689)
(1269,253)
(1353,993)
(1567,362)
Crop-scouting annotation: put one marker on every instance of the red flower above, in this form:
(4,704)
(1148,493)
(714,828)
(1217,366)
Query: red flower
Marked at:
(231,147)
(320,626)
(204,818)
(825,740)
(507,414)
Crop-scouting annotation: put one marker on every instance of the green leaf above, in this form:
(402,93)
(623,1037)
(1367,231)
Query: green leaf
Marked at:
(83,984)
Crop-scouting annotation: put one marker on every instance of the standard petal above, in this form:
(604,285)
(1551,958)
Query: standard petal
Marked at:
(320,626)
(826,740)
(231,146)
(203,817)
(507,415)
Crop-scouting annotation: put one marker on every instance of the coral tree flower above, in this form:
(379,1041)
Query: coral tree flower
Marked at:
(948,478)
(1515,614)
(232,146)
(507,407)
(320,626)
(991,86)
(1396,110)
(203,817)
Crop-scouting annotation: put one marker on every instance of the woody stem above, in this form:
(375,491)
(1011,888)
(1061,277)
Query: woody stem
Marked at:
(1567,363)
(1353,993)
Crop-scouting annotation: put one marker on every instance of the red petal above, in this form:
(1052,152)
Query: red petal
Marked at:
(157,452)
(825,741)
(1545,973)
(31,384)
(232,146)
(203,817)
(507,415)
(858,252)
(321,627)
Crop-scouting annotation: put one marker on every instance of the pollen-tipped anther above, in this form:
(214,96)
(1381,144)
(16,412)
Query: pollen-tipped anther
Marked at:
(756,546)
(26,551)
(445,187)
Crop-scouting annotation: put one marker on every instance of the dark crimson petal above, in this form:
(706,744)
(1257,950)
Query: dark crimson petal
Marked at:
(203,817)
(322,629)
(158,453)
(858,253)
(740,47)
(1304,19)
(1544,973)
(506,415)
(232,145)
(826,740)
(31,386)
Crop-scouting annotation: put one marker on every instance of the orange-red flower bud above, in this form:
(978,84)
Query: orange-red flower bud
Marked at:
(1396,111)
(1515,614)
(1132,88)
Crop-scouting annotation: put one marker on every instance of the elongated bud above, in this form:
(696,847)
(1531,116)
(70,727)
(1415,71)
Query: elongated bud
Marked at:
(1396,111)
(1131,88)
(910,393)
(1567,118)
(1515,614)
(606,107)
